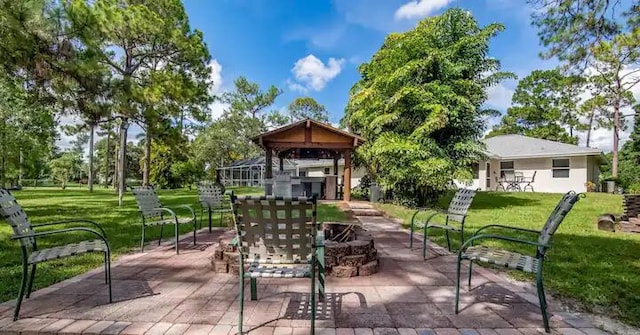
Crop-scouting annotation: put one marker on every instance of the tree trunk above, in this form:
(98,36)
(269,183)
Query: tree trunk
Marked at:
(591,117)
(147,157)
(106,157)
(92,128)
(616,137)
(122,164)
(3,162)
(115,161)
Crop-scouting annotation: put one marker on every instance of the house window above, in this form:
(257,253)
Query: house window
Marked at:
(475,169)
(327,171)
(302,173)
(560,168)
(506,167)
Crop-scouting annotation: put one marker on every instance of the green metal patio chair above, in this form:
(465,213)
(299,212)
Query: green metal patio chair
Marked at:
(278,238)
(24,232)
(154,214)
(211,197)
(513,260)
(457,212)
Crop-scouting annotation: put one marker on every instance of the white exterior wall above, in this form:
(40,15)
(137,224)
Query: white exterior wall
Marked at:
(582,169)
(318,171)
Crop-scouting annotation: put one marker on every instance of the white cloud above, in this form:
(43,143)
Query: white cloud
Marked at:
(215,76)
(499,97)
(419,8)
(312,74)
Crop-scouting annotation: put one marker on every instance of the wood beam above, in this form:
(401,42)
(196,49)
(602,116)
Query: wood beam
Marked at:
(347,176)
(268,167)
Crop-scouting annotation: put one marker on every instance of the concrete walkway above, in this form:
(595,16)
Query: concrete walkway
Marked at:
(159,292)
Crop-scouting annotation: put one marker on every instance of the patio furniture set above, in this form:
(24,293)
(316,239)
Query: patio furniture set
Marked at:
(279,237)
(514,181)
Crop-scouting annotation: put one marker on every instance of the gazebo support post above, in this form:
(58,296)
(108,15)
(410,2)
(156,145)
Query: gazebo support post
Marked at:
(347,176)
(268,171)
(335,170)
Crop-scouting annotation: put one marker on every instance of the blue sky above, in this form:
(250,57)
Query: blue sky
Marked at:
(314,47)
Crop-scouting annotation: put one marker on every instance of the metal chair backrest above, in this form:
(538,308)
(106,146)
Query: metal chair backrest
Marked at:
(555,219)
(275,229)
(533,177)
(460,204)
(509,175)
(211,195)
(148,201)
(12,212)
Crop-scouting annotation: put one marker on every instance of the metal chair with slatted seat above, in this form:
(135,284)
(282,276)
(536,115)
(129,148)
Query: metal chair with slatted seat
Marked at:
(457,212)
(278,238)
(513,260)
(24,232)
(211,197)
(154,214)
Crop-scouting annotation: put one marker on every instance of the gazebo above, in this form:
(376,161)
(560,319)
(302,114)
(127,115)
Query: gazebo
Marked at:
(309,139)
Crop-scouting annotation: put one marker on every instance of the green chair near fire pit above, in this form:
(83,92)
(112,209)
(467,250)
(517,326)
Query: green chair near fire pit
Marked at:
(457,212)
(278,238)
(154,214)
(32,255)
(513,260)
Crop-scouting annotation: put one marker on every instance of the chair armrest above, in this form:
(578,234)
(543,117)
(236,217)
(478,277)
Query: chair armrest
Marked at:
(193,213)
(168,210)
(71,221)
(506,227)
(468,242)
(61,231)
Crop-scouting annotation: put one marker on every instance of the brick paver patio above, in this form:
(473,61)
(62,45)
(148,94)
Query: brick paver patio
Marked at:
(159,292)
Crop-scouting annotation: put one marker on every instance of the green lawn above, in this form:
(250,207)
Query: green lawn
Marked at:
(598,270)
(121,224)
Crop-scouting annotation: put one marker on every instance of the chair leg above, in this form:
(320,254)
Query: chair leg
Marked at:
(195,229)
(177,233)
(458,283)
(312,300)
(221,217)
(254,289)
(470,271)
(446,234)
(161,229)
(321,274)
(411,236)
(23,284)
(201,215)
(142,241)
(209,219)
(33,273)
(108,268)
(424,242)
(543,300)
(241,303)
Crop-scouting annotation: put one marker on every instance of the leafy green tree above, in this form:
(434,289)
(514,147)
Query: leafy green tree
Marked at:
(65,167)
(307,108)
(27,131)
(131,38)
(570,29)
(630,156)
(418,103)
(617,71)
(544,104)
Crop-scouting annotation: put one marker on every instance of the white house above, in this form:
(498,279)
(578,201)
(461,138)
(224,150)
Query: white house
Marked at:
(558,167)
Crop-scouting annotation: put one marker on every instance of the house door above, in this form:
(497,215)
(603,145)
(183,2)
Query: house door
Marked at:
(488,176)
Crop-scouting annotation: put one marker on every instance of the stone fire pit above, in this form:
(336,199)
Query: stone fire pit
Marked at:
(349,251)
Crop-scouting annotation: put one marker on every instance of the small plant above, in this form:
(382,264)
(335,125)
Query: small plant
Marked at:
(634,188)
(591,186)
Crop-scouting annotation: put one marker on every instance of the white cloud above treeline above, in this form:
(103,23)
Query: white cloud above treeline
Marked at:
(420,8)
(312,74)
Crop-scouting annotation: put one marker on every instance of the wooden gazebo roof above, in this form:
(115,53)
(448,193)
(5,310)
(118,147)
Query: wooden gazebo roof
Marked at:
(308,134)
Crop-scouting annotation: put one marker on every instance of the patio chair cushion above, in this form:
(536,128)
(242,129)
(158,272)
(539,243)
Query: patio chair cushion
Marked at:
(511,260)
(168,221)
(67,250)
(257,270)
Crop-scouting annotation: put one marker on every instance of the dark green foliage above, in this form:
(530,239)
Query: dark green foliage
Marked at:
(418,104)
(544,104)
(307,108)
